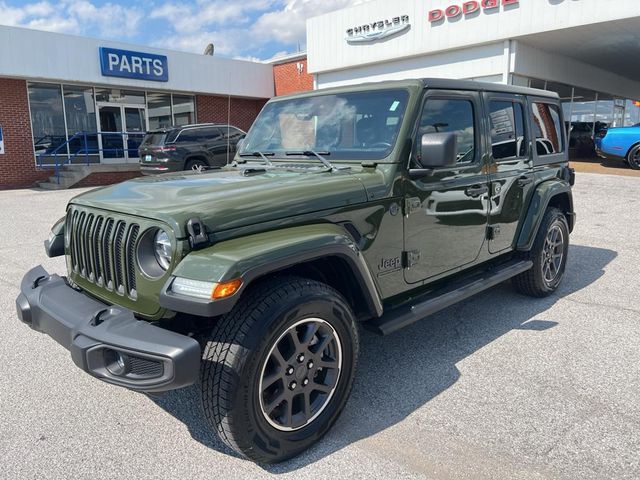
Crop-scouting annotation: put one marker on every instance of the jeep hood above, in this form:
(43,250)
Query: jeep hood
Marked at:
(226,198)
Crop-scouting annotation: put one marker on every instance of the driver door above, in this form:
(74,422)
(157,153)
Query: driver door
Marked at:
(446,213)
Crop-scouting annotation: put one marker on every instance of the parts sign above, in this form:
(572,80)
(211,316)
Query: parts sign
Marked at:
(138,65)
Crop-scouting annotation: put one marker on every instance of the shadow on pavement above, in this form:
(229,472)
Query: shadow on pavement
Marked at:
(431,348)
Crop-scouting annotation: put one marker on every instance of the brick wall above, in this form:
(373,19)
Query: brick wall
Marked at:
(288,79)
(214,109)
(17,165)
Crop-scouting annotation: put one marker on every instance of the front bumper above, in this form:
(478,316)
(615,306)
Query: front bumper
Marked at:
(105,341)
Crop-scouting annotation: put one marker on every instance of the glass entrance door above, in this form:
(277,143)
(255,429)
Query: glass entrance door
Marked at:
(122,129)
(135,126)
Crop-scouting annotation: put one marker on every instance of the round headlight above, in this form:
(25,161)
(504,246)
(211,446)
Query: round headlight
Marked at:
(162,249)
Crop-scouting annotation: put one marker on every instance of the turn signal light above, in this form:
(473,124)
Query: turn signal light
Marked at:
(224,290)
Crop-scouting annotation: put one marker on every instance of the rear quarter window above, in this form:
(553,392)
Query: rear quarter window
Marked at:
(153,139)
(547,128)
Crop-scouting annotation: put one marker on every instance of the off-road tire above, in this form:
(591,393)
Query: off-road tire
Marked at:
(237,350)
(195,163)
(533,282)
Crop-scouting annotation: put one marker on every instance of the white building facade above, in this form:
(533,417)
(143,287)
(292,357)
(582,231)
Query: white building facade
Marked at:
(583,49)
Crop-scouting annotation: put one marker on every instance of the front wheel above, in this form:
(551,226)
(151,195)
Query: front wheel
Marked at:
(278,369)
(549,257)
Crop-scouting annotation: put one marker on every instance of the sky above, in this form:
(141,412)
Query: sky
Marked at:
(248,29)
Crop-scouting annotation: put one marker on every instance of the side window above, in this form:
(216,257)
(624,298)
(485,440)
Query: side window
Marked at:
(508,138)
(547,128)
(209,134)
(189,135)
(449,115)
(234,133)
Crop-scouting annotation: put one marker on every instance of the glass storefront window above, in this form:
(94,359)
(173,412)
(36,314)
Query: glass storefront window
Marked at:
(137,112)
(184,110)
(47,118)
(632,113)
(81,117)
(159,110)
(117,95)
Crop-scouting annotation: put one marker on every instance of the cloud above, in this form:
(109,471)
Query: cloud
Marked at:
(248,29)
(74,16)
(288,25)
(243,29)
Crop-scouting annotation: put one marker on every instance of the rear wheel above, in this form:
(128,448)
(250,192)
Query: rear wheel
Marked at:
(633,157)
(278,369)
(549,257)
(195,164)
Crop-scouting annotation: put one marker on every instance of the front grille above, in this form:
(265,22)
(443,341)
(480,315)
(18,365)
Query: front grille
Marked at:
(103,250)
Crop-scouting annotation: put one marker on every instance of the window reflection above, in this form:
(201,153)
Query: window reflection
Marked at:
(47,118)
(184,111)
(81,117)
(159,110)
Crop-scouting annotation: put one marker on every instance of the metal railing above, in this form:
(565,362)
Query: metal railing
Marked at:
(88,147)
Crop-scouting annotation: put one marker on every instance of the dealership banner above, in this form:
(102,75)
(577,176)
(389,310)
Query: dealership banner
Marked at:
(1,141)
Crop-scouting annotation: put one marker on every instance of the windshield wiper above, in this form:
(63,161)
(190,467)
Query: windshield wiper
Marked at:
(318,155)
(263,155)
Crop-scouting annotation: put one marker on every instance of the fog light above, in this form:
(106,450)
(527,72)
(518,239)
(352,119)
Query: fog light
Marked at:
(117,363)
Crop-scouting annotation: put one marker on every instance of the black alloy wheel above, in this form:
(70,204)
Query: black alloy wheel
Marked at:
(300,374)
(633,157)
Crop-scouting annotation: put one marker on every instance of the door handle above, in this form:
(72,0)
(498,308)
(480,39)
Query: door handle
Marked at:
(524,181)
(476,190)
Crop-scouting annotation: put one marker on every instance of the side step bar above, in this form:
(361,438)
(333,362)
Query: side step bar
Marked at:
(445,296)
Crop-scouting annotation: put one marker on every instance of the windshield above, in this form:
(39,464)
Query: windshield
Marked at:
(348,126)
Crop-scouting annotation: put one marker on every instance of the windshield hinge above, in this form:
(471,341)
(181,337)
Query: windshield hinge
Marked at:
(198,237)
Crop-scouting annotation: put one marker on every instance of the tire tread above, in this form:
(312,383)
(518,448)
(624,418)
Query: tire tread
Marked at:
(224,358)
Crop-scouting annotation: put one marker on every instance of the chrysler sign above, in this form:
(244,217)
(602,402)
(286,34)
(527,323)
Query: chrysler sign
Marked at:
(370,32)
(467,8)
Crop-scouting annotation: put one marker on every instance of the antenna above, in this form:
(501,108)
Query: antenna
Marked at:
(209,50)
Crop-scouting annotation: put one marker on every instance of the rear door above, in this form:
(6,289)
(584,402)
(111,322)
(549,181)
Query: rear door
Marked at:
(215,145)
(446,213)
(510,167)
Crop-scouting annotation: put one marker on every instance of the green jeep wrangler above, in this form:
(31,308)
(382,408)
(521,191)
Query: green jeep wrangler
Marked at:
(374,204)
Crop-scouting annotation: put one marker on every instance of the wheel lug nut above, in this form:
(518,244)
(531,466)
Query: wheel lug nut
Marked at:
(310,364)
(293,385)
(305,382)
(301,358)
(290,370)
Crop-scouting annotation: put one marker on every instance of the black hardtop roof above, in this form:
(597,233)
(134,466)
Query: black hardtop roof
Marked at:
(443,83)
(435,83)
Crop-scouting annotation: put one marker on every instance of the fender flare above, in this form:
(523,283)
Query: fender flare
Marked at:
(540,200)
(252,257)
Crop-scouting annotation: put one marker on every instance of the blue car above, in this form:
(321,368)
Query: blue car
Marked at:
(620,144)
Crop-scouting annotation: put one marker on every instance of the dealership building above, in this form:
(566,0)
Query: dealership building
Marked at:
(60,92)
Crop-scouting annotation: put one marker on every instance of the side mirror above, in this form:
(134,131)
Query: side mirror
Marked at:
(438,150)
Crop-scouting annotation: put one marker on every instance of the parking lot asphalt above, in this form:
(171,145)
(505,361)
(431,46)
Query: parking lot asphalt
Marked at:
(500,386)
